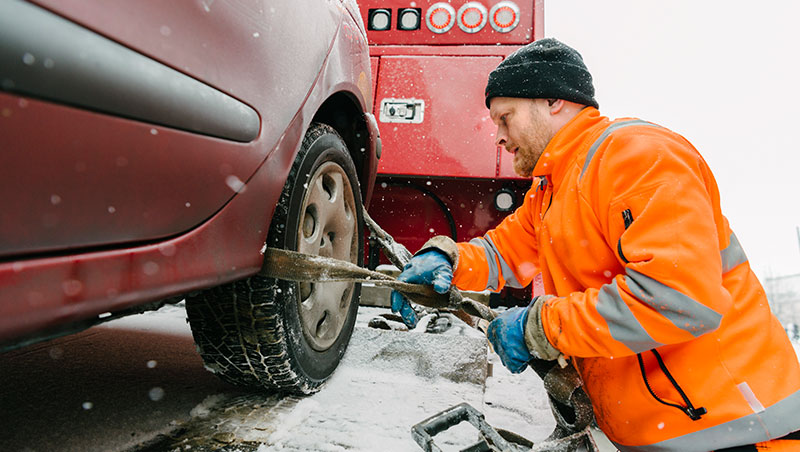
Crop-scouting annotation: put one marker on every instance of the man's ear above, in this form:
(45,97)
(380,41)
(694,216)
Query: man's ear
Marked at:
(555,105)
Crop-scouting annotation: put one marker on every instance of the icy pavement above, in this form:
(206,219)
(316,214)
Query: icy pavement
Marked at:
(387,382)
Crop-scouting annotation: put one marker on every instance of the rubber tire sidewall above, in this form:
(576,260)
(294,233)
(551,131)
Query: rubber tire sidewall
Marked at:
(314,365)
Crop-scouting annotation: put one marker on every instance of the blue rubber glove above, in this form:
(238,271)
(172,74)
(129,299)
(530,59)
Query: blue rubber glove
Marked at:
(431,267)
(507,335)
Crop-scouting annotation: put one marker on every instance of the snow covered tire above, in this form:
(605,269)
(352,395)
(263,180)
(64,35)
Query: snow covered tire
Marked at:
(279,335)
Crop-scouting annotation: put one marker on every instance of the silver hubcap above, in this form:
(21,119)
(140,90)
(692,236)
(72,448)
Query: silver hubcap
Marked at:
(327,228)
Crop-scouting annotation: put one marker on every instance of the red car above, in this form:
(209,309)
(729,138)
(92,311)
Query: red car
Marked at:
(150,150)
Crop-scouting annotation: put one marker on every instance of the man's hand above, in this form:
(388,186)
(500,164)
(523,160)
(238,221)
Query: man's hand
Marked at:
(430,267)
(507,335)
(517,338)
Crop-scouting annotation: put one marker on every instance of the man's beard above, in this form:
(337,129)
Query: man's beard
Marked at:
(535,139)
(524,162)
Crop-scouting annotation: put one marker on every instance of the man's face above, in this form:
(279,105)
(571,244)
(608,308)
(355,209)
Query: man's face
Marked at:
(523,129)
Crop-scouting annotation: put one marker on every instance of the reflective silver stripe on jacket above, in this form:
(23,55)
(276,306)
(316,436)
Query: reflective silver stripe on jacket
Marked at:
(622,324)
(733,255)
(606,133)
(778,420)
(493,282)
(684,312)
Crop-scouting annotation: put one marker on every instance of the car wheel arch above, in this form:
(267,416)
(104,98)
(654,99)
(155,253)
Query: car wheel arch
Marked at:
(344,113)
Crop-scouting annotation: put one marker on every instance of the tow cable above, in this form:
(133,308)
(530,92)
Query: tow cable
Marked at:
(568,402)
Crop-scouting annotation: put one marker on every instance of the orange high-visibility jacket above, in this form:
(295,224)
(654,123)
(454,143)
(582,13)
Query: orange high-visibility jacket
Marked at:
(655,299)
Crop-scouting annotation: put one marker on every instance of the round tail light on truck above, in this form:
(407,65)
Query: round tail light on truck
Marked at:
(441,17)
(472,17)
(504,16)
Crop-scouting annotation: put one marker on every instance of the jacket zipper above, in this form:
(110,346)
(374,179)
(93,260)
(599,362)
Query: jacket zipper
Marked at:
(543,186)
(693,413)
(627,218)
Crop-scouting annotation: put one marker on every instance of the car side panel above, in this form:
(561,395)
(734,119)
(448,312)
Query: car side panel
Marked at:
(41,294)
(253,50)
(44,294)
(95,179)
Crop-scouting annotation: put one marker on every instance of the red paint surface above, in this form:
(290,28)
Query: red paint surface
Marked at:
(84,179)
(62,168)
(456,132)
(412,216)
(452,153)
(49,291)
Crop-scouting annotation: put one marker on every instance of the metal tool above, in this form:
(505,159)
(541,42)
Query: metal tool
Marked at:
(399,255)
(492,439)
(395,252)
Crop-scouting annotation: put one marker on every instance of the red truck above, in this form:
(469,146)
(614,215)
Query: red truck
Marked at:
(440,171)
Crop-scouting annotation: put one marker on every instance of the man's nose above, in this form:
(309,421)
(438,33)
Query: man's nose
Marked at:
(500,138)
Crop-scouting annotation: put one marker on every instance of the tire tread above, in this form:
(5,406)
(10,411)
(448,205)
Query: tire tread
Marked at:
(238,326)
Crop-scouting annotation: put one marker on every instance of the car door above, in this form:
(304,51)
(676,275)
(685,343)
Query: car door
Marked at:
(127,122)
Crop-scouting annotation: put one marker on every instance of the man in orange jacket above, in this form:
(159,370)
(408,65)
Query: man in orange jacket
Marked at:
(649,293)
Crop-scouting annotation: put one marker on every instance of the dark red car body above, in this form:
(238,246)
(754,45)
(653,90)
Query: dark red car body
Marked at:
(143,145)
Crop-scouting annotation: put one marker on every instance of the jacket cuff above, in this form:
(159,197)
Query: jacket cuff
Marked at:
(535,339)
(444,244)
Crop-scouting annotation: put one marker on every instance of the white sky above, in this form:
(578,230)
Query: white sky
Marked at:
(724,74)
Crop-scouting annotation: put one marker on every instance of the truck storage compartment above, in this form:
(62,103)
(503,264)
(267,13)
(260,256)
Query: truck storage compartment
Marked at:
(432,116)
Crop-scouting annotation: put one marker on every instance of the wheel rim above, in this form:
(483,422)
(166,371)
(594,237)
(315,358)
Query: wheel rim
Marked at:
(327,228)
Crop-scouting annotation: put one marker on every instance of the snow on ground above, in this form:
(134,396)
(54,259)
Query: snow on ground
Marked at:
(170,318)
(387,382)
(517,402)
(390,380)
(512,402)
(367,410)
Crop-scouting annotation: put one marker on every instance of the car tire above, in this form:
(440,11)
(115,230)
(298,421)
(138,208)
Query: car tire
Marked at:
(275,334)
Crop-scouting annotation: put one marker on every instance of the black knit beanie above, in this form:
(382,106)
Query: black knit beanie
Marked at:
(544,69)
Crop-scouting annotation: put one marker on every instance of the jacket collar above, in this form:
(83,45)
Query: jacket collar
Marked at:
(566,144)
